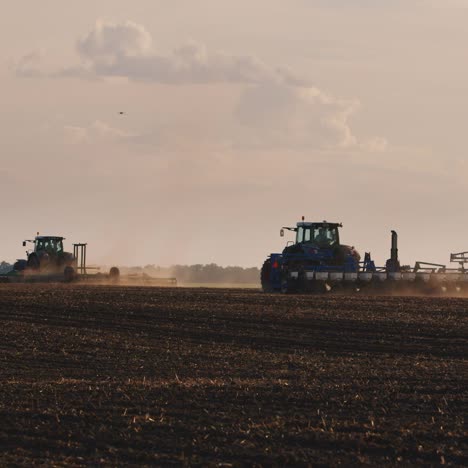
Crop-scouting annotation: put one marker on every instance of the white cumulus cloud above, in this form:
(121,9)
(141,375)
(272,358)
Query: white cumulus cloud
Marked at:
(276,106)
(284,115)
(107,41)
(124,50)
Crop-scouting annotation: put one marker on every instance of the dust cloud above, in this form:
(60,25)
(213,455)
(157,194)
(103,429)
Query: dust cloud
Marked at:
(210,275)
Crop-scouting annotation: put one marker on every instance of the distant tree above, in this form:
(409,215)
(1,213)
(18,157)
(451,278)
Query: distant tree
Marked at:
(5,267)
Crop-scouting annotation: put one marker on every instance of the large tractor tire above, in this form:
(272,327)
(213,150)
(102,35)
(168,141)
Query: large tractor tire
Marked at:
(342,252)
(69,274)
(33,262)
(265,276)
(114,274)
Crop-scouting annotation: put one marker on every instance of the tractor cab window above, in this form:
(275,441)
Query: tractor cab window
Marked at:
(54,246)
(322,236)
(50,246)
(300,235)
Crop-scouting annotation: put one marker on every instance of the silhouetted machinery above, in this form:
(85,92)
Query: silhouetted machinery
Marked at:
(48,260)
(317,262)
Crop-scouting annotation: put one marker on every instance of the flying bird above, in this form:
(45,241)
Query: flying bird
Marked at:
(121,113)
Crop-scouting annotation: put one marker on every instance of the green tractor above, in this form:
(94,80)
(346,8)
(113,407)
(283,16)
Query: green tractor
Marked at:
(47,257)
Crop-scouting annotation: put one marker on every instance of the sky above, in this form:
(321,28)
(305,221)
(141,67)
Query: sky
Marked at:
(239,118)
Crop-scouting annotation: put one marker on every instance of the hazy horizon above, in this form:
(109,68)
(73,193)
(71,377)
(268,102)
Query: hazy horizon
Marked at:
(239,118)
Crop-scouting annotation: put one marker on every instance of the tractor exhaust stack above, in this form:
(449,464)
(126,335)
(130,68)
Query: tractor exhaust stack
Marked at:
(393,264)
(394,249)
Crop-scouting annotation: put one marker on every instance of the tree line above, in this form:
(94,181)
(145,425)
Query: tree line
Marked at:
(5,267)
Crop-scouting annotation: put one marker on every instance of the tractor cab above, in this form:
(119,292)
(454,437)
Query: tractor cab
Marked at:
(49,244)
(322,235)
(48,253)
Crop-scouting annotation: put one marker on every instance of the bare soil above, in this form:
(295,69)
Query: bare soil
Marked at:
(158,376)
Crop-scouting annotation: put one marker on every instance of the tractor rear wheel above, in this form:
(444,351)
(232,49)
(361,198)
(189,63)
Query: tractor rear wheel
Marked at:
(114,274)
(265,276)
(69,274)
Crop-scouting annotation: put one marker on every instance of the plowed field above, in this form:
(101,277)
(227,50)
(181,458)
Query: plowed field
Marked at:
(114,375)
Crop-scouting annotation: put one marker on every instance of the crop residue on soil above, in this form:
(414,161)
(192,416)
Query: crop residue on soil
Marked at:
(115,375)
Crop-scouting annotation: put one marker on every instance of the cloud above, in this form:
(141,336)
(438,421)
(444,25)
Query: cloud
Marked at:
(278,114)
(124,50)
(106,41)
(97,131)
(276,107)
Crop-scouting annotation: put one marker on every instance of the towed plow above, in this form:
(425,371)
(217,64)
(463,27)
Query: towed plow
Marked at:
(317,263)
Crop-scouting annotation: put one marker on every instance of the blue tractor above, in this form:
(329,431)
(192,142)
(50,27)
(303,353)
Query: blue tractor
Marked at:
(311,262)
(317,262)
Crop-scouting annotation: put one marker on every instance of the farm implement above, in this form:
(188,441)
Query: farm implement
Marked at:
(316,262)
(48,262)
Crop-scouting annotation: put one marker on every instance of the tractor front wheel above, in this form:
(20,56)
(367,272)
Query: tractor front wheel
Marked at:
(20,265)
